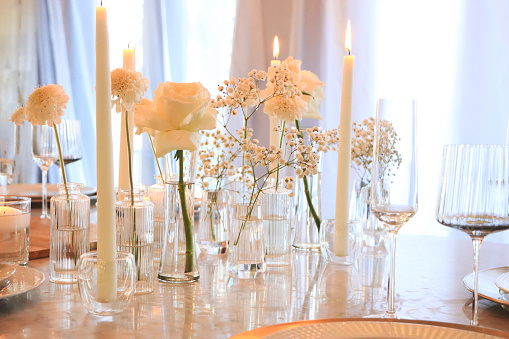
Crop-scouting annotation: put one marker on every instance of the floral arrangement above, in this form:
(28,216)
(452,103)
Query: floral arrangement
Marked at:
(289,95)
(362,147)
(45,106)
(175,117)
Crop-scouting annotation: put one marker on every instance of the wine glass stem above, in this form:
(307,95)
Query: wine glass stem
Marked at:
(44,194)
(477,249)
(392,274)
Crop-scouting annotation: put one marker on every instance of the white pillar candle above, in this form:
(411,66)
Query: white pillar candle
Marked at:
(106,237)
(344,156)
(274,136)
(123,161)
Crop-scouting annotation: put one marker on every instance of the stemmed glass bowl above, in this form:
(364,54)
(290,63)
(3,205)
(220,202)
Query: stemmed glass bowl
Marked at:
(394,176)
(473,195)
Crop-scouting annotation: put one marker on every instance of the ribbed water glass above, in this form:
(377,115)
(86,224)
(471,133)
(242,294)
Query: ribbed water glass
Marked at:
(135,235)
(70,232)
(246,251)
(276,204)
(214,221)
(157,196)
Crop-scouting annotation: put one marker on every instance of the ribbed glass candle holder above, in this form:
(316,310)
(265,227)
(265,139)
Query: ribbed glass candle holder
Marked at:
(135,235)
(69,233)
(157,196)
(214,222)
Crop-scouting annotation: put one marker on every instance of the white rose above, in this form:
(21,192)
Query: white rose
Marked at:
(176,115)
(313,93)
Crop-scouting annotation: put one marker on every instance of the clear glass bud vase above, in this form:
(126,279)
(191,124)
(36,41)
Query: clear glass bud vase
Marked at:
(178,260)
(70,232)
(306,229)
(157,196)
(276,204)
(246,251)
(214,221)
(135,234)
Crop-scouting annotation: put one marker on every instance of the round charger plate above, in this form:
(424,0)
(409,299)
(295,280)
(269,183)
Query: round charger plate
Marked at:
(6,271)
(34,191)
(369,328)
(487,288)
(23,280)
(502,282)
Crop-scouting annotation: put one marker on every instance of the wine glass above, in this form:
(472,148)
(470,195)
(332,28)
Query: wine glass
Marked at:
(44,153)
(394,176)
(474,195)
(69,133)
(9,147)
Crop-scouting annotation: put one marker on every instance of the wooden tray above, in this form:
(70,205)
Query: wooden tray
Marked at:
(39,237)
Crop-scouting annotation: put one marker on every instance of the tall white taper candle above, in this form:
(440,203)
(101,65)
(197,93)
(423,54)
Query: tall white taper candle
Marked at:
(106,237)
(123,162)
(344,149)
(274,136)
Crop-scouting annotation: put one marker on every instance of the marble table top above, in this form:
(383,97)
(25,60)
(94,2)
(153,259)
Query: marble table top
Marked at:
(429,275)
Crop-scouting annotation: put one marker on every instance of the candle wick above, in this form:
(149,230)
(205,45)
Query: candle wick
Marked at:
(101,3)
(348,51)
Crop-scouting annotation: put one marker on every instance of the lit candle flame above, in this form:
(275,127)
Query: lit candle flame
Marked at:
(275,49)
(128,44)
(348,38)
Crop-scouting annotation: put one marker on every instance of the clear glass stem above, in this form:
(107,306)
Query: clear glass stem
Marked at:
(44,214)
(477,249)
(391,312)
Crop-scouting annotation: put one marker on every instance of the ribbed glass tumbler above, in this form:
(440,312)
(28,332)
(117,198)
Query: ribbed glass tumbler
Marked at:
(246,251)
(214,222)
(276,204)
(157,196)
(135,234)
(69,233)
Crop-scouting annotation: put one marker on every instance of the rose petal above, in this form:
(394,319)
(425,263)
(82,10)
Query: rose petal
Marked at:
(206,122)
(165,142)
(147,117)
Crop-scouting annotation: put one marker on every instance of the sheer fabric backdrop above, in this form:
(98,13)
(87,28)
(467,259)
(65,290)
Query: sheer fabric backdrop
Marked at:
(451,56)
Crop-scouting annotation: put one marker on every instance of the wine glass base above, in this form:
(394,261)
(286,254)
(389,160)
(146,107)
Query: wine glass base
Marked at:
(384,316)
(45,216)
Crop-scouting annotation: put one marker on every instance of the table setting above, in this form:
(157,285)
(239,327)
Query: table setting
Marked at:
(232,240)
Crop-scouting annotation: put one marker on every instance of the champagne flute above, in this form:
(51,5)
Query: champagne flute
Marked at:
(394,176)
(44,153)
(473,195)
(69,132)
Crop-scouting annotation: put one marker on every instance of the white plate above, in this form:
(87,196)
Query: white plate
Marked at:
(487,288)
(6,271)
(502,282)
(34,191)
(23,280)
(371,328)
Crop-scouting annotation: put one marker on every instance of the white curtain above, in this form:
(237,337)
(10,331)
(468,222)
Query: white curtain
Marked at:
(66,56)
(452,56)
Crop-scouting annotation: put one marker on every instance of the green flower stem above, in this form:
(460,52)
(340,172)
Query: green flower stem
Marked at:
(64,178)
(280,145)
(317,219)
(155,156)
(188,226)
(137,253)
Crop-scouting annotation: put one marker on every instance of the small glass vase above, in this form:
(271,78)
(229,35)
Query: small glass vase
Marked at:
(214,221)
(246,251)
(276,204)
(69,233)
(88,284)
(178,260)
(328,243)
(157,196)
(306,231)
(374,233)
(135,234)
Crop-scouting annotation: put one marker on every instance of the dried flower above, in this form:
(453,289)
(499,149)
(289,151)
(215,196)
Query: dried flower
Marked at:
(128,88)
(44,106)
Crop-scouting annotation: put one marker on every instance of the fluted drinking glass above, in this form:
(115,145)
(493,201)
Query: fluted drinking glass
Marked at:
(394,175)
(473,196)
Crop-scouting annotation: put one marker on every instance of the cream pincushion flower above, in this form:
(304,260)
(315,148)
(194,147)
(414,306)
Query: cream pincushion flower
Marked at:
(312,89)
(285,107)
(176,115)
(44,106)
(128,88)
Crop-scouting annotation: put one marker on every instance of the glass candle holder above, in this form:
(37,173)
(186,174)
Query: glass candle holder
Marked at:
(69,233)
(14,229)
(157,196)
(88,284)
(327,231)
(214,222)
(135,234)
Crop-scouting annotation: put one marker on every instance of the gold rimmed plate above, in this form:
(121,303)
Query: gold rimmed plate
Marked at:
(487,288)
(6,271)
(371,328)
(23,280)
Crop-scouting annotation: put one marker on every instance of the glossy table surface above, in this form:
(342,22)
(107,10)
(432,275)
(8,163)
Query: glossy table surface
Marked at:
(429,275)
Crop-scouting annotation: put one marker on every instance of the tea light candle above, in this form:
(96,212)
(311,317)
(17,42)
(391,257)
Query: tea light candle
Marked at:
(12,219)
